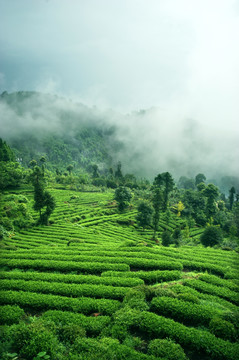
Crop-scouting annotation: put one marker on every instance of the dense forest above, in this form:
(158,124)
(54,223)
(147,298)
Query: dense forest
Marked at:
(101,262)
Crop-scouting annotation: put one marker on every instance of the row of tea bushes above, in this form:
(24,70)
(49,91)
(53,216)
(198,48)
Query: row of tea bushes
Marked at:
(10,314)
(77,279)
(69,290)
(31,301)
(215,280)
(149,277)
(199,342)
(217,301)
(62,266)
(184,311)
(207,288)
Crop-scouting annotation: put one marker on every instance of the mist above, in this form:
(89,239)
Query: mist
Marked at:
(151,140)
(164,74)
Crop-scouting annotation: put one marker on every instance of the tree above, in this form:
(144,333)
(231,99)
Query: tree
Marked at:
(44,202)
(157,205)
(201,186)
(211,236)
(144,217)
(186,183)
(177,236)
(180,208)
(166,238)
(212,193)
(95,171)
(118,172)
(6,153)
(199,178)
(69,168)
(32,164)
(11,175)
(165,182)
(123,197)
(232,192)
(236,216)
(169,184)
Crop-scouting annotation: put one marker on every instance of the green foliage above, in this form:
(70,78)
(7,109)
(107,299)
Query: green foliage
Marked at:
(157,202)
(165,291)
(211,236)
(31,339)
(166,238)
(144,216)
(42,198)
(135,298)
(68,333)
(188,297)
(183,311)
(42,356)
(6,153)
(166,349)
(38,301)
(93,325)
(123,197)
(222,328)
(15,212)
(11,175)
(200,178)
(212,193)
(10,314)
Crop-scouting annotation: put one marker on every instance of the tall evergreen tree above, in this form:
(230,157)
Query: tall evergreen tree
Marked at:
(44,202)
(157,205)
(232,192)
(144,217)
(212,193)
(169,184)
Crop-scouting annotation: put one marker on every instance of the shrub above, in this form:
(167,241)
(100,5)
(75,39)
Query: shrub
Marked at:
(135,298)
(29,340)
(70,332)
(160,291)
(188,297)
(182,311)
(222,328)
(166,349)
(119,332)
(211,236)
(10,314)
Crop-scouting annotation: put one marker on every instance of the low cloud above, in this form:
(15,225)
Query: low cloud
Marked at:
(153,140)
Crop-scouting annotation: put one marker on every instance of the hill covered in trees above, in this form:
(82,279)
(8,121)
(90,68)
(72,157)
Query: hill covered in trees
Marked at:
(69,133)
(65,133)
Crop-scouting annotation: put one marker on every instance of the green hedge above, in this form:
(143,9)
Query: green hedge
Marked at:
(199,342)
(147,264)
(10,314)
(215,280)
(92,324)
(37,302)
(149,277)
(63,266)
(213,289)
(64,278)
(184,311)
(73,290)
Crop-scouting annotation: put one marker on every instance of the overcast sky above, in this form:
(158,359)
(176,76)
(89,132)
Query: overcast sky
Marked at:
(181,56)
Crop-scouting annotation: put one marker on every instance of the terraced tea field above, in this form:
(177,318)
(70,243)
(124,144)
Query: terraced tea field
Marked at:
(91,272)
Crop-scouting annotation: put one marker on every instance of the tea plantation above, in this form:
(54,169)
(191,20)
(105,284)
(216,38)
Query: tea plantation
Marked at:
(93,285)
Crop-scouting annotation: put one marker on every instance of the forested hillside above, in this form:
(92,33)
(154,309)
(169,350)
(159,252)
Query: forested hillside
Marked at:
(71,134)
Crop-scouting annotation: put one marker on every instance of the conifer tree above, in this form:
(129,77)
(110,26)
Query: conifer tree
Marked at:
(44,202)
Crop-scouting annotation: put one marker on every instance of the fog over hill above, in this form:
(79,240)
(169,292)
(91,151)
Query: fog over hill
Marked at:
(146,142)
